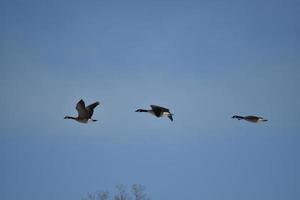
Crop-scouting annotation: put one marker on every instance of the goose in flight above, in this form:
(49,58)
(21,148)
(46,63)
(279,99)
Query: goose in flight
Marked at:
(158,111)
(84,113)
(250,118)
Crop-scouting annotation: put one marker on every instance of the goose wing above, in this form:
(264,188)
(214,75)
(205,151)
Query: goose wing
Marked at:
(251,118)
(158,110)
(82,112)
(90,108)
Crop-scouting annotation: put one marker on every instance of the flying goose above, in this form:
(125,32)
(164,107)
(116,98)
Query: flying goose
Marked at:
(158,112)
(84,113)
(250,118)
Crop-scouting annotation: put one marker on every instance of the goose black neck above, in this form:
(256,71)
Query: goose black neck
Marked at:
(68,117)
(238,117)
(141,110)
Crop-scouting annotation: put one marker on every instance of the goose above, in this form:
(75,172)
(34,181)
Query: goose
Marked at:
(84,113)
(158,111)
(250,118)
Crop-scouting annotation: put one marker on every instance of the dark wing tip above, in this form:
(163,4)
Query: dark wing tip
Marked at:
(81,102)
(153,106)
(93,105)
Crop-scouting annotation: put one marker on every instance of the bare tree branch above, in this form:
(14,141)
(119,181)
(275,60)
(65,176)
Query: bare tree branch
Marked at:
(137,193)
(121,193)
(103,195)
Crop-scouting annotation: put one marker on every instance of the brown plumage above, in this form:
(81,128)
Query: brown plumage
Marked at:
(84,113)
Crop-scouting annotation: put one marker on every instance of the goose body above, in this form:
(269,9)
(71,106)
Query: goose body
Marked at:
(158,111)
(250,118)
(84,113)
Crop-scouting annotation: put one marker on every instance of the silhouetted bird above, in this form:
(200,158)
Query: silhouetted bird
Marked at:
(250,118)
(84,113)
(158,111)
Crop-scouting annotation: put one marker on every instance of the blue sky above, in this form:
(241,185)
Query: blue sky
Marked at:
(205,60)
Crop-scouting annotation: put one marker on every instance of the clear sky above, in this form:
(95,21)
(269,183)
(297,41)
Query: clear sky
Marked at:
(205,60)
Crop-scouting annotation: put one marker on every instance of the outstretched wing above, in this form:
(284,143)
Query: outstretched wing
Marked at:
(91,107)
(251,118)
(82,112)
(158,110)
